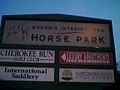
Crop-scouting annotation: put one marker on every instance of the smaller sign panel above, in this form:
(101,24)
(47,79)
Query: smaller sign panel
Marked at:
(29,56)
(27,73)
(69,57)
(86,75)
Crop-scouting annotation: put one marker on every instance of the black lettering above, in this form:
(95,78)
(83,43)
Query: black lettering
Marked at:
(45,27)
(75,28)
(30,53)
(17,53)
(50,54)
(24,53)
(34,37)
(5,70)
(49,27)
(34,54)
(2,53)
(33,27)
(63,28)
(66,39)
(86,40)
(50,38)
(41,27)
(78,38)
(101,40)
(42,38)
(58,39)
(42,54)
(55,28)
(12,53)
(71,28)
(94,40)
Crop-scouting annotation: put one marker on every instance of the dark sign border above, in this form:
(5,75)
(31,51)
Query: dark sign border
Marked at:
(61,18)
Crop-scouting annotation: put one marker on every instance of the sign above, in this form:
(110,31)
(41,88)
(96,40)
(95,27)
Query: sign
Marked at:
(59,50)
(86,75)
(28,56)
(69,57)
(55,33)
(26,73)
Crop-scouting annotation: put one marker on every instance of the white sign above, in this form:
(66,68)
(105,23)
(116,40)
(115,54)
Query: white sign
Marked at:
(55,33)
(26,73)
(86,75)
(29,56)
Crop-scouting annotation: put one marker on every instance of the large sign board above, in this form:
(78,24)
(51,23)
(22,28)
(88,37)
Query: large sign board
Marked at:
(55,33)
(63,49)
(27,73)
(28,56)
(86,75)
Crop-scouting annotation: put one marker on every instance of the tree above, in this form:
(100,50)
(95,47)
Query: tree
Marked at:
(118,67)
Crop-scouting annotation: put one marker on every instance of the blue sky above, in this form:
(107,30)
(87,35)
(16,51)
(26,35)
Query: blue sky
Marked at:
(105,9)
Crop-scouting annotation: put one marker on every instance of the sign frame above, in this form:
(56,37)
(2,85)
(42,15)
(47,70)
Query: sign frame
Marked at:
(9,73)
(57,65)
(85,58)
(52,19)
(55,33)
(27,56)
(73,75)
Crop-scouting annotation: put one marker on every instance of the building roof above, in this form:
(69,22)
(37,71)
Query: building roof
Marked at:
(55,17)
